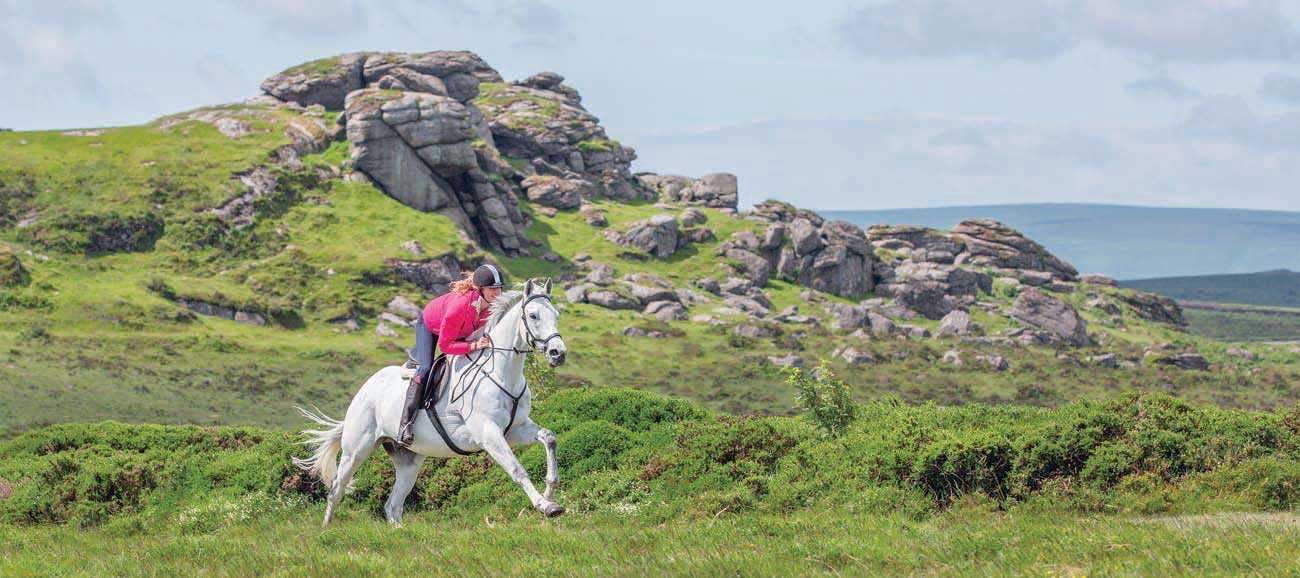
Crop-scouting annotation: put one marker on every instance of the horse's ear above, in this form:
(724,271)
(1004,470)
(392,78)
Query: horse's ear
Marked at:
(547,287)
(528,287)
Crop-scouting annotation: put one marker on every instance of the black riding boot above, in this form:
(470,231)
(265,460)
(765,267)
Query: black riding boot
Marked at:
(414,395)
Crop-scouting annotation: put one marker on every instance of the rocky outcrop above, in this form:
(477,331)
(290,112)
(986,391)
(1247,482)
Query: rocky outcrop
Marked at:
(798,245)
(222,311)
(716,190)
(442,132)
(1050,314)
(1153,307)
(419,148)
(433,275)
(659,235)
(541,120)
(977,242)
(328,81)
(990,243)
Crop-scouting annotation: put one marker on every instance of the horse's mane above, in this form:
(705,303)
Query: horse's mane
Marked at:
(499,307)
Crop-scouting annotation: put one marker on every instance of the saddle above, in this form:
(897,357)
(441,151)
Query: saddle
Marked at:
(437,375)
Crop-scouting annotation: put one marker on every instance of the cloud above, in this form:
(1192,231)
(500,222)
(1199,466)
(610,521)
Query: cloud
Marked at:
(1161,85)
(1221,151)
(1164,30)
(307,18)
(1230,119)
(220,76)
(1011,29)
(1282,88)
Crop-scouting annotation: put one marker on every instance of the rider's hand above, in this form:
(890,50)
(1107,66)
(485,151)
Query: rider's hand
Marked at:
(482,343)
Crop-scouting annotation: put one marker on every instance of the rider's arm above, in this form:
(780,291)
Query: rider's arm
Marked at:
(452,323)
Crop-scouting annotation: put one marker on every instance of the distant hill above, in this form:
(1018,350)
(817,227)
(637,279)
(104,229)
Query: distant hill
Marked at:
(1128,242)
(1279,288)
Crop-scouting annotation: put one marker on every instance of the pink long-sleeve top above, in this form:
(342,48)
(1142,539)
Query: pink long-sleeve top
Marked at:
(453,318)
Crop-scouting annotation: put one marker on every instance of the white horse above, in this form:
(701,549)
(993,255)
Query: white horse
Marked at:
(483,408)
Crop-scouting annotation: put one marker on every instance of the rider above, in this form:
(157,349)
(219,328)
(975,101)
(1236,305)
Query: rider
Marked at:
(447,322)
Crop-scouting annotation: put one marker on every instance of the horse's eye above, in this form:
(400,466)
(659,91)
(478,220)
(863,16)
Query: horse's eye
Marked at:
(532,316)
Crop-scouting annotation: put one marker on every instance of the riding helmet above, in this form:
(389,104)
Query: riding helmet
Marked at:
(487,275)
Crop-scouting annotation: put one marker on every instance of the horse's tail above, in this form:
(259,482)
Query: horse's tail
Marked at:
(326,444)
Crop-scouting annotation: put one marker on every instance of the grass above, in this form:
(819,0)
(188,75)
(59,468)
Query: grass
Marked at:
(1225,325)
(1139,485)
(829,543)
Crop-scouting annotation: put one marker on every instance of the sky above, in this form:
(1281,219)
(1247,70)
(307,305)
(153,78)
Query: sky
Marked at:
(831,104)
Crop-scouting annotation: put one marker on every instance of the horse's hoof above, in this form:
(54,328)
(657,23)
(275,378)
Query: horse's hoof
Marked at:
(552,510)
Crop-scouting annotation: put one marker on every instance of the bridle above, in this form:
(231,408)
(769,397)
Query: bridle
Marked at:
(533,340)
(479,369)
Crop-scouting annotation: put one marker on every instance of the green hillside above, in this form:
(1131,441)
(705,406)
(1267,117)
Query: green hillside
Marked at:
(1280,288)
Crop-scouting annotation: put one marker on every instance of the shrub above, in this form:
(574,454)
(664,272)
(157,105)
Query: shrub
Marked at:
(823,397)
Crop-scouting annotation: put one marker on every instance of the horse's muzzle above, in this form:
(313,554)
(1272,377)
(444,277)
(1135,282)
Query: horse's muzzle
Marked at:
(555,356)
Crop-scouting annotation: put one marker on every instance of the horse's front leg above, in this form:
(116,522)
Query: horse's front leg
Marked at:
(492,440)
(528,433)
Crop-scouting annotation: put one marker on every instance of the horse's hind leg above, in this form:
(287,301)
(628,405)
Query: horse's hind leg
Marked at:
(528,433)
(407,463)
(356,448)
(492,440)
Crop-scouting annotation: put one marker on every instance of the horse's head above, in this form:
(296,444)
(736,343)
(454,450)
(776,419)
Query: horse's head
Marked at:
(542,322)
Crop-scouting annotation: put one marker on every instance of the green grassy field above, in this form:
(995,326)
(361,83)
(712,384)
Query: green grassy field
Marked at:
(1137,486)
(962,542)
(1243,325)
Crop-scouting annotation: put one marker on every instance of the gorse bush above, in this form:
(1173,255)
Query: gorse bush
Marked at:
(825,398)
(635,453)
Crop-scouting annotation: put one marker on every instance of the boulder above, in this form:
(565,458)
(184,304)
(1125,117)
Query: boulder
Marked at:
(600,274)
(787,360)
(754,331)
(956,322)
(925,297)
(657,235)
(549,191)
(881,325)
(754,267)
(994,362)
(395,320)
(647,294)
(578,293)
(698,235)
(953,357)
(717,190)
(383,330)
(404,307)
(1043,311)
(1095,279)
(611,300)
(709,284)
(1188,361)
(856,356)
(433,275)
(691,217)
(595,216)
(666,311)
(1109,360)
